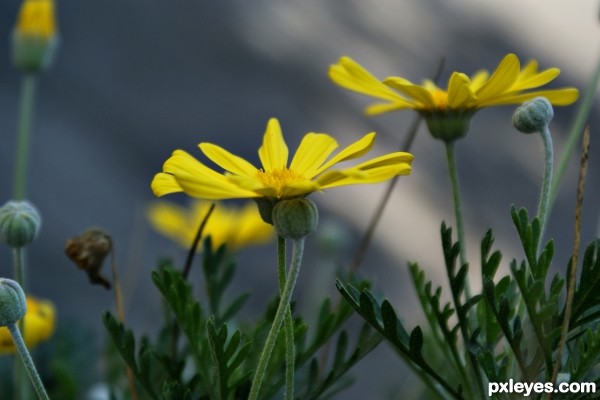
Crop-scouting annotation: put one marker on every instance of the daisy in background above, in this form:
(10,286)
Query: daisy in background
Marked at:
(234,226)
(448,111)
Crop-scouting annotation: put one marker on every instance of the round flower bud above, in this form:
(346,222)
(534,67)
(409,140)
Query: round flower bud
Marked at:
(533,116)
(19,223)
(295,218)
(13,305)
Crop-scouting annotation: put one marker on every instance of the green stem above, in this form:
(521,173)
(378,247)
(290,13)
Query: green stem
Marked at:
(282,309)
(19,266)
(22,388)
(27,361)
(545,194)
(288,324)
(23,135)
(576,130)
(460,230)
(463,319)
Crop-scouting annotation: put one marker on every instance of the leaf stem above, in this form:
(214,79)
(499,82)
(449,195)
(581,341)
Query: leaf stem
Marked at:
(282,309)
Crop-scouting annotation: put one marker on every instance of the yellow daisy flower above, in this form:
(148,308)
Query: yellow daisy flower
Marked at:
(39,325)
(309,171)
(508,84)
(463,96)
(236,227)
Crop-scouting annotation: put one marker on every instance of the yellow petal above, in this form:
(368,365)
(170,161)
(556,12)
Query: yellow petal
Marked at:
(536,80)
(250,228)
(380,108)
(478,79)
(226,160)
(373,171)
(163,184)
(419,93)
(529,70)
(170,220)
(558,97)
(355,150)
(460,94)
(391,159)
(197,180)
(501,80)
(274,152)
(312,152)
(352,76)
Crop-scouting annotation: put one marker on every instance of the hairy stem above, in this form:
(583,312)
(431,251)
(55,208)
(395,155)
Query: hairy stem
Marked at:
(288,324)
(27,361)
(542,213)
(282,309)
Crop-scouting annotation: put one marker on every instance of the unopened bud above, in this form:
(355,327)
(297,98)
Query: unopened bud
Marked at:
(19,223)
(13,305)
(533,116)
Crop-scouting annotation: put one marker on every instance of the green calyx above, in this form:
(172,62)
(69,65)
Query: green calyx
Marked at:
(295,218)
(33,54)
(265,208)
(19,223)
(448,125)
(12,302)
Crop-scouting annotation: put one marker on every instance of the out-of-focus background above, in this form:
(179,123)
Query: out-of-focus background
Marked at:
(136,79)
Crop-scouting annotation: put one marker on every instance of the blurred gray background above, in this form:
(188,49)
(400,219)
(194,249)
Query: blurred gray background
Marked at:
(134,80)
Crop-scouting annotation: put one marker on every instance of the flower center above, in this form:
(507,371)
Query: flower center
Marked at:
(279,178)
(440,98)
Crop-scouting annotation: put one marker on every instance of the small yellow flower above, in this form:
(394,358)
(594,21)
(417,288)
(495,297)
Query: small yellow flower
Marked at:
(35,36)
(508,84)
(39,325)
(309,171)
(36,19)
(236,227)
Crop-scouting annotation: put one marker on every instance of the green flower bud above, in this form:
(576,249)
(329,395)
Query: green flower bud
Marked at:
(19,223)
(295,218)
(13,305)
(533,116)
(448,125)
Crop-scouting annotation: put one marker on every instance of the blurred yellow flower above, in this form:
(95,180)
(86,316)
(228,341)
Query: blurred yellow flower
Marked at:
(36,19)
(508,84)
(236,227)
(309,171)
(35,39)
(39,325)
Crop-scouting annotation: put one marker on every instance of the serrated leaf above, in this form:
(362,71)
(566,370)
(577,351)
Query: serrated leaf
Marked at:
(416,343)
